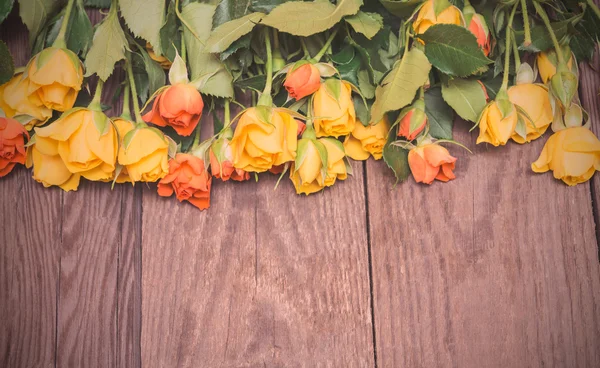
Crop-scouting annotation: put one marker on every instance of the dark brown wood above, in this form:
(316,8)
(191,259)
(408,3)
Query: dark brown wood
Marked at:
(498,268)
(30,241)
(264,278)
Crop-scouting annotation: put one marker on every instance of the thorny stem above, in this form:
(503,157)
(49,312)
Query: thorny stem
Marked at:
(325,47)
(196,137)
(526,25)
(544,16)
(136,104)
(517,57)
(508,48)
(60,39)
(266,95)
(96,101)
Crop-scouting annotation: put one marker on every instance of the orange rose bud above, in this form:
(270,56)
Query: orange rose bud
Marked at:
(12,145)
(413,122)
(478,27)
(302,81)
(188,179)
(430,162)
(179,106)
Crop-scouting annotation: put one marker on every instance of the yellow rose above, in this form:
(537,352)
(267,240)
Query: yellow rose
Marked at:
(426,17)
(534,99)
(497,122)
(87,142)
(143,153)
(334,117)
(366,141)
(48,167)
(55,75)
(547,62)
(310,175)
(573,155)
(259,144)
(17,103)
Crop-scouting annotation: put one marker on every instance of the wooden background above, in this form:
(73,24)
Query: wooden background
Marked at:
(498,268)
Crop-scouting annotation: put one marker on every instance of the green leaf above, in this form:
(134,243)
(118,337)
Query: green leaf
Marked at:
(80,33)
(107,48)
(228,10)
(439,114)
(396,158)
(466,97)
(154,72)
(201,63)
(362,112)
(7,66)
(401,9)
(365,86)
(35,13)
(224,35)
(349,71)
(101,121)
(454,50)
(256,83)
(265,6)
(440,5)
(100,4)
(399,87)
(307,18)
(5,9)
(144,19)
(540,37)
(170,37)
(366,23)
(241,43)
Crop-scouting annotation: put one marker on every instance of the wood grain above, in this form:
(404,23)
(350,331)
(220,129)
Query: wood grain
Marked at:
(30,240)
(263,278)
(498,268)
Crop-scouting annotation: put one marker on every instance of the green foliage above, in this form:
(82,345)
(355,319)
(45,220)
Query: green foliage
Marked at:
(396,158)
(5,9)
(144,19)
(108,47)
(35,13)
(466,97)
(7,66)
(439,114)
(227,33)
(366,23)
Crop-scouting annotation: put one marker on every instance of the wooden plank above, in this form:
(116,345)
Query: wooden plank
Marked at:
(262,278)
(589,90)
(498,268)
(30,238)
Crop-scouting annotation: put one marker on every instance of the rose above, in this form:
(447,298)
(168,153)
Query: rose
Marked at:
(161,60)
(430,162)
(221,165)
(85,140)
(572,154)
(48,167)
(478,27)
(366,141)
(534,100)
(308,174)
(179,106)
(16,103)
(188,179)
(547,62)
(497,122)
(12,145)
(143,153)
(55,75)
(257,145)
(302,81)
(414,121)
(427,18)
(334,117)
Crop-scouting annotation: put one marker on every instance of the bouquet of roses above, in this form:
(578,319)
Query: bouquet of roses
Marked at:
(326,82)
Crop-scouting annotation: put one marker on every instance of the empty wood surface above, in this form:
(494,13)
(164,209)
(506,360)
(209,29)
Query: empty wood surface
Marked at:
(497,268)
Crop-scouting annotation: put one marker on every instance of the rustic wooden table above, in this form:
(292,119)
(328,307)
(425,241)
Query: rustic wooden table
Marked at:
(498,268)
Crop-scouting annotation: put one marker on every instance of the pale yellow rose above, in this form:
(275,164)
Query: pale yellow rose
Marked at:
(426,17)
(495,127)
(334,118)
(16,103)
(535,101)
(48,168)
(368,141)
(308,177)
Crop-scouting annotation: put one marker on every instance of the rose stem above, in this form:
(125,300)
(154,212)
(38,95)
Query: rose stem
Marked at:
(136,104)
(60,39)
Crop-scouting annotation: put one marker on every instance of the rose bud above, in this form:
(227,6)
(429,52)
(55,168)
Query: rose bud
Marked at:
(302,81)
(55,75)
(85,140)
(430,162)
(15,101)
(188,179)
(498,121)
(334,117)
(572,154)
(221,165)
(414,121)
(12,145)
(143,153)
(547,62)
(427,18)
(477,25)
(178,106)
(258,145)
(535,101)
(368,141)
(162,60)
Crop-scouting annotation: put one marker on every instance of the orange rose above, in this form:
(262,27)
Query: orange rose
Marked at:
(221,165)
(302,81)
(12,145)
(414,121)
(179,106)
(189,180)
(430,162)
